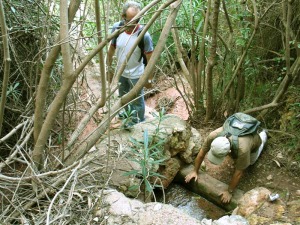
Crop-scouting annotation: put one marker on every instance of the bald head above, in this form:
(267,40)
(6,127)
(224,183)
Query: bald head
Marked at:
(133,6)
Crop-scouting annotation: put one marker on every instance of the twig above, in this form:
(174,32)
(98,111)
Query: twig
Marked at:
(7,161)
(50,173)
(61,190)
(13,131)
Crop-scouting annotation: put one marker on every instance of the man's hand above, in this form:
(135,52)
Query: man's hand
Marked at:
(190,176)
(225,197)
(148,85)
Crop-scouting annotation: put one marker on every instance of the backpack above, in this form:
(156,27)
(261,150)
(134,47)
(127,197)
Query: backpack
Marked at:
(237,125)
(141,44)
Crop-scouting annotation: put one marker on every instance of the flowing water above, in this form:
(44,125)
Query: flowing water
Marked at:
(191,203)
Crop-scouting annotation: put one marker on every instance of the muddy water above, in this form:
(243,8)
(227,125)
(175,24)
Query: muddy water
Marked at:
(191,203)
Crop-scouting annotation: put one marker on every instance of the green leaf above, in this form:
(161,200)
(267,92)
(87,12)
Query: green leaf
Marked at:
(159,161)
(144,171)
(148,186)
(133,187)
(135,160)
(153,174)
(131,172)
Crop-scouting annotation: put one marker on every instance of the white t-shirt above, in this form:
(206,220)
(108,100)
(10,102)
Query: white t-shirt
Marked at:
(134,67)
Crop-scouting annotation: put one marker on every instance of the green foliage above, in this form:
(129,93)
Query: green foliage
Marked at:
(13,93)
(89,32)
(128,117)
(149,155)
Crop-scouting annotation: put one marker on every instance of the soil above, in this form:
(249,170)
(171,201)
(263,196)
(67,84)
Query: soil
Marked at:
(272,170)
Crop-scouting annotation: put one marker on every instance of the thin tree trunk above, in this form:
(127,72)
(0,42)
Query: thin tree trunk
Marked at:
(101,57)
(7,61)
(184,69)
(240,62)
(42,88)
(288,77)
(200,66)
(212,62)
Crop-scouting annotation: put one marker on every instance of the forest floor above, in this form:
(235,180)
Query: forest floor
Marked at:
(272,170)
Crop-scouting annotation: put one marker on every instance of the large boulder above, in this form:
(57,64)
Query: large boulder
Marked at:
(115,208)
(193,148)
(176,135)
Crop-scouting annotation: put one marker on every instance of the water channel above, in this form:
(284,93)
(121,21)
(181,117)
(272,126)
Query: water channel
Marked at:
(191,203)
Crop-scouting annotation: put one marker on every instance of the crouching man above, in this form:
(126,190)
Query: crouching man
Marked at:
(217,147)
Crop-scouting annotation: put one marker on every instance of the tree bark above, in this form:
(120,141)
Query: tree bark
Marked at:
(42,88)
(200,66)
(7,61)
(211,63)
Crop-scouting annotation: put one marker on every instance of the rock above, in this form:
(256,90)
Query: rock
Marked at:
(179,139)
(256,207)
(176,134)
(252,200)
(125,182)
(197,139)
(194,146)
(186,155)
(298,192)
(231,220)
(169,170)
(294,210)
(270,177)
(119,209)
(115,208)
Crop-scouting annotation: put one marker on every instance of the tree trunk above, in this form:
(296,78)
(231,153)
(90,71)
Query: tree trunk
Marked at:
(42,88)
(200,66)
(211,63)
(7,61)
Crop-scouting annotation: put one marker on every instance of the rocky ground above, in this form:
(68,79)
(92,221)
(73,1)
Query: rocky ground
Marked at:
(271,170)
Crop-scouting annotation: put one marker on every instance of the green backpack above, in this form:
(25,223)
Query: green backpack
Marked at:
(237,125)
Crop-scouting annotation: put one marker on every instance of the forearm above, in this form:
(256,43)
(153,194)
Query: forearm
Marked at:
(198,161)
(148,56)
(235,180)
(110,54)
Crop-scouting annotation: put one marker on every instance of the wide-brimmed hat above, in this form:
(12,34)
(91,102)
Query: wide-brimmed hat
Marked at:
(219,148)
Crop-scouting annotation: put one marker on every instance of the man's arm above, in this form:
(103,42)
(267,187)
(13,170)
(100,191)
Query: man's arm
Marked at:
(148,56)
(110,54)
(227,195)
(201,154)
(149,82)
(198,161)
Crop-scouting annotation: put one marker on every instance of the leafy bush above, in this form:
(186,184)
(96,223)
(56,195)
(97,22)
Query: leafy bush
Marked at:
(149,155)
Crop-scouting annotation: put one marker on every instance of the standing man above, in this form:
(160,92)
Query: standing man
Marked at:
(217,147)
(135,67)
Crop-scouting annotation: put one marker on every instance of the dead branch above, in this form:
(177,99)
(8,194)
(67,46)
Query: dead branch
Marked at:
(7,61)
